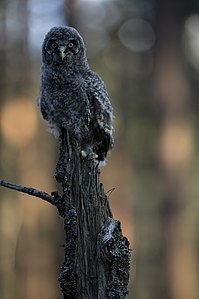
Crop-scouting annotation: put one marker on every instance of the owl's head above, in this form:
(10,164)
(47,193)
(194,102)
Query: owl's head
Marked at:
(63,45)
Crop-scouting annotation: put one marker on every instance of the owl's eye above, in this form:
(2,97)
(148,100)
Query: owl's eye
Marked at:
(54,45)
(70,45)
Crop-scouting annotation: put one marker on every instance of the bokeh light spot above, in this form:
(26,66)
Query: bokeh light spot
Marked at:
(137,35)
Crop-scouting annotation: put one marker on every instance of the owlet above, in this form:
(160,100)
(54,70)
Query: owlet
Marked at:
(72,96)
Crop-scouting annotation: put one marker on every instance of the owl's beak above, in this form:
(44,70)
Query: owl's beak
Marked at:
(62,50)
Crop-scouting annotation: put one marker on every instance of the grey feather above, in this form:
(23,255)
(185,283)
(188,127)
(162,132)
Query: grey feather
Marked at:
(72,96)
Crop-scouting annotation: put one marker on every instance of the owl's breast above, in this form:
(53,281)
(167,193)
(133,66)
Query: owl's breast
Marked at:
(70,106)
(66,104)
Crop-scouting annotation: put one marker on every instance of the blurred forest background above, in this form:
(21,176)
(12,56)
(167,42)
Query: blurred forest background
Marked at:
(147,52)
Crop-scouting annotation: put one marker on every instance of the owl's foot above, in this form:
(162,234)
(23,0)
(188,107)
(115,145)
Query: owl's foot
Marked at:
(89,155)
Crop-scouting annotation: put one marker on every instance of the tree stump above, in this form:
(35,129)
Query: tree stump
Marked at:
(97,255)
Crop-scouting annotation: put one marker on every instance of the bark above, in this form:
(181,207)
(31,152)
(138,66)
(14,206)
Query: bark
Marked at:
(97,255)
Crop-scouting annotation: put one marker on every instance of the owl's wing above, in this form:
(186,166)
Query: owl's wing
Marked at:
(42,105)
(101,116)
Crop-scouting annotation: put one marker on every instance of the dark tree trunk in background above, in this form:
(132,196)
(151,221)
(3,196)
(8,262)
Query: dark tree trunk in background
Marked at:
(2,49)
(21,80)
(97,255)
(159,222)
(172,88)
(69,14)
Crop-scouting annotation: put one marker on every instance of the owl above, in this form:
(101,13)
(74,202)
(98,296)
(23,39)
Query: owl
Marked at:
(72,96)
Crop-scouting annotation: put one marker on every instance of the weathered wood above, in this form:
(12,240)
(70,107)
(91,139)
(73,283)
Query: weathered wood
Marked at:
(97,256)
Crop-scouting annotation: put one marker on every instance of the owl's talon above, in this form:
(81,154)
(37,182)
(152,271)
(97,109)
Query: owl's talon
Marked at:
(95,156)
(84,154)
(92,156)
(89,155)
